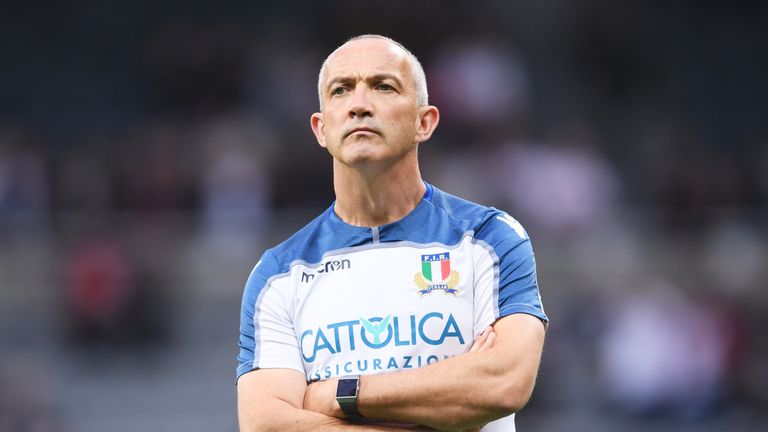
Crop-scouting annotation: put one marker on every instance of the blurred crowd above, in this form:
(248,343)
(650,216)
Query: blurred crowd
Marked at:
(148,154)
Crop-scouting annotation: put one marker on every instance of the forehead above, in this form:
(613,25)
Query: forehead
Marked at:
(367,56)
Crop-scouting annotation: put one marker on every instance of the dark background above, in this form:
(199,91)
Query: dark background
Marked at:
(150,151)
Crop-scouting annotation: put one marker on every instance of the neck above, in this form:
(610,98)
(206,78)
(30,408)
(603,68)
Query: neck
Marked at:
(374,199)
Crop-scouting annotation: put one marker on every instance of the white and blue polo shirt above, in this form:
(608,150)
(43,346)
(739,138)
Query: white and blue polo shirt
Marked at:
(336,299)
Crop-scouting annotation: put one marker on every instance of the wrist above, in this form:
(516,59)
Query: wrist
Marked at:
(347,393)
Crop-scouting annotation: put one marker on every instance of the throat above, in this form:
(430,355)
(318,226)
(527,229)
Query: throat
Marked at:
(376,209)
(372,199)
(372,216)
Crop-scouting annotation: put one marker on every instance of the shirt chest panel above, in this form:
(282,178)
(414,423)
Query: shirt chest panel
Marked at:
(391,307)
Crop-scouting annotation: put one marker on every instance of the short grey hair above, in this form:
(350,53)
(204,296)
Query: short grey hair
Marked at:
(419,78)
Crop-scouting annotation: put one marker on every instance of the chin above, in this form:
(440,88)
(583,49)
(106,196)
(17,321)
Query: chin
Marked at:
(365,159)
(364,155)
(362,161)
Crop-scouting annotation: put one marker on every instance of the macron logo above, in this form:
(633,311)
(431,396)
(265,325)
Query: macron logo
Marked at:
(328,267)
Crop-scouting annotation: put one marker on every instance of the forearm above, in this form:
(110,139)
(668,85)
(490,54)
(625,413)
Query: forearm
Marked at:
(272,400)
(454,394)
(461,392)
(457,393)
(279,416)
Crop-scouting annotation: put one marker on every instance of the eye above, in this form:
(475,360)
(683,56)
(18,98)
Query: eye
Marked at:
(385,87)
(337,91)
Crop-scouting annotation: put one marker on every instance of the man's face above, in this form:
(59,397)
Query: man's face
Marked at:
(369,104)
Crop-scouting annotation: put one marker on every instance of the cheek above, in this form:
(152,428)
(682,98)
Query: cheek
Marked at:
(405,124)
(403,115)
(333,128)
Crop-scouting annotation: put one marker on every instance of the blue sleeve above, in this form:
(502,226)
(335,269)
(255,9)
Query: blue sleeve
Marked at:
(517,289)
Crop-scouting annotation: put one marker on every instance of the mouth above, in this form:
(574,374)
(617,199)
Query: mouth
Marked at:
(361,129)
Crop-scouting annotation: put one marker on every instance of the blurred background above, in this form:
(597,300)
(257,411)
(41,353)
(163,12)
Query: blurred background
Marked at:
(150,151)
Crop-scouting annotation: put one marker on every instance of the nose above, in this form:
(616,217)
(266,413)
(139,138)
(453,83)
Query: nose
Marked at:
(360,103)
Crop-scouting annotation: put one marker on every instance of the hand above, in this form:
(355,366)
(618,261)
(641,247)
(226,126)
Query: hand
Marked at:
(485,341)
(320,397)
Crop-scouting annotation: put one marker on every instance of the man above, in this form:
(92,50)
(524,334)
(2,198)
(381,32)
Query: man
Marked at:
(365,318)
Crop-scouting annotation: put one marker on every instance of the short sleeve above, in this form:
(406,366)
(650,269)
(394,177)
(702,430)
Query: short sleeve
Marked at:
(267,336)
(507,274)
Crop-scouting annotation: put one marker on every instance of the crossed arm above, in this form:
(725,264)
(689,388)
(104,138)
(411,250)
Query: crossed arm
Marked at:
(491,381)
(271,400)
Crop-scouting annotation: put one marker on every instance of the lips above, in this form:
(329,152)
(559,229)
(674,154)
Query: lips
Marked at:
(361,129)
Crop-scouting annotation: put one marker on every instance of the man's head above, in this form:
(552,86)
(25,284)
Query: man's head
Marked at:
(374,108)
(417,71)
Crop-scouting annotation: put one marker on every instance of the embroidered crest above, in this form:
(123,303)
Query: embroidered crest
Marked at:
(436,274)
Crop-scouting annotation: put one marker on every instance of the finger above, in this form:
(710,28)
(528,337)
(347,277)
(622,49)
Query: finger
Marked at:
(480,340)
(476,344)
(489,341)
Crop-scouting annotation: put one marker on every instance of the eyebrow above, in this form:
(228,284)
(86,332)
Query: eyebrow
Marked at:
(379,77)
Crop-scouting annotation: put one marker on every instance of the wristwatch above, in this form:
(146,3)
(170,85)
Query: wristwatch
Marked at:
(347,390)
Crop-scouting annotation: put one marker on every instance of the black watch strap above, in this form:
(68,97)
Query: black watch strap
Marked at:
(347,391)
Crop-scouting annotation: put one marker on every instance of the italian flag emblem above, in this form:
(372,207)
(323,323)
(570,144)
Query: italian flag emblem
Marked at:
(436,274)
(436,268)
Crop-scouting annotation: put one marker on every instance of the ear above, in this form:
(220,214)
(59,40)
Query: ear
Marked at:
(428,119)
(318,128)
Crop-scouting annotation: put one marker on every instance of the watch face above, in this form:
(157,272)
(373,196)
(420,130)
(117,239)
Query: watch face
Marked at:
(346,388)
